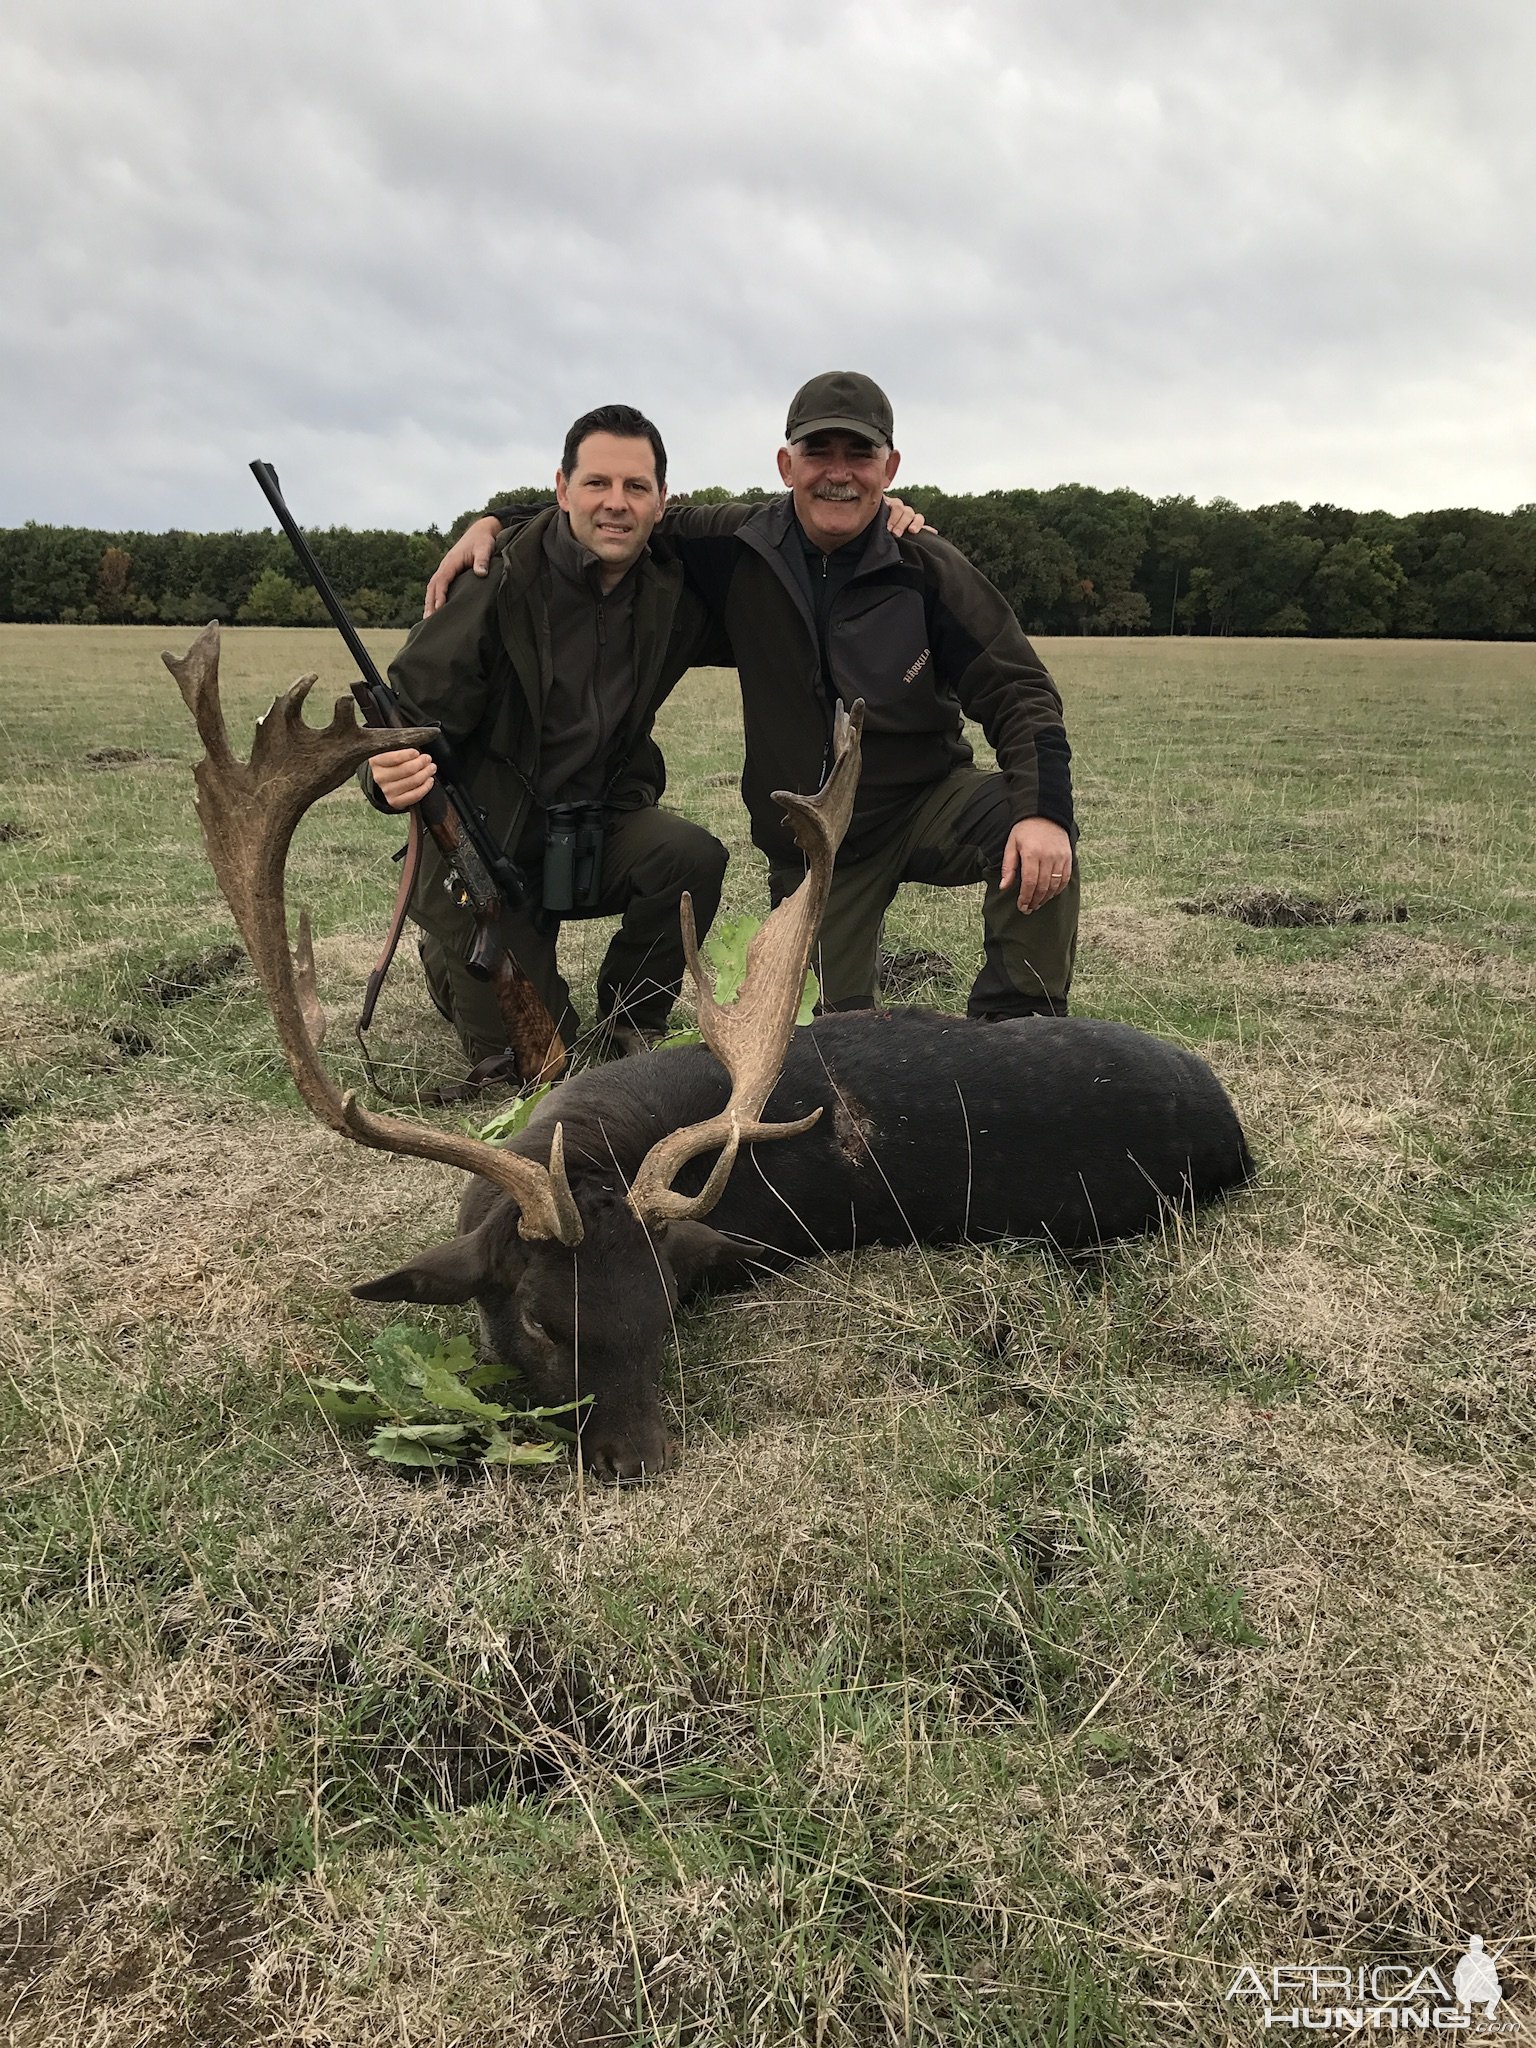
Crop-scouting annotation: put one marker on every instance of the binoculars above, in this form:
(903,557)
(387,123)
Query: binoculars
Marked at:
(573,857)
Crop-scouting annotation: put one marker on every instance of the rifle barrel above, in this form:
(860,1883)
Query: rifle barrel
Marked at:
(271,490)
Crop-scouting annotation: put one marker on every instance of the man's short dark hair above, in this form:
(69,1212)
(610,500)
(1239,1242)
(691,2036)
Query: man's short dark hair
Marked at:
(615,419)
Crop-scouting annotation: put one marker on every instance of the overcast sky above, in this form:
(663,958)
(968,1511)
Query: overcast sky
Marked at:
(1243,248)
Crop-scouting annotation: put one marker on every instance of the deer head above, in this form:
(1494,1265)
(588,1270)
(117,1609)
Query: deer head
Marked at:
(575,1283)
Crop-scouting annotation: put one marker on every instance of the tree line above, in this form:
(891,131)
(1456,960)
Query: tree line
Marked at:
(1069,560)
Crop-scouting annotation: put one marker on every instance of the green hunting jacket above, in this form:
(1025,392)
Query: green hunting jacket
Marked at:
(480,670)
(916,631)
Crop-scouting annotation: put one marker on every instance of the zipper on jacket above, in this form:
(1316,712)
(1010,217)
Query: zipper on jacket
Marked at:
(600,676)
(831,696)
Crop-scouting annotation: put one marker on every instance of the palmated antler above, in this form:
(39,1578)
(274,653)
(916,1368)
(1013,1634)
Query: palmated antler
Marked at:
(750,1035)
(249,812)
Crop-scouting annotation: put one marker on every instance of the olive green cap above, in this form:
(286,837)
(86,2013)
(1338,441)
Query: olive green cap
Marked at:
(840,402)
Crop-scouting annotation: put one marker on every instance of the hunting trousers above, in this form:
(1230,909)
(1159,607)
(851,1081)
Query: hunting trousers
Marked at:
(954,836)
(650,856)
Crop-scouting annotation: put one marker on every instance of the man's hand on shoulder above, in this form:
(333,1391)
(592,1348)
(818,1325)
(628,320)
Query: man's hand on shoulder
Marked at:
(903,518)
(1039,856)
(472,550)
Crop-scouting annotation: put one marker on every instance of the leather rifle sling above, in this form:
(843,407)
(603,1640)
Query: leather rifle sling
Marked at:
(408,871)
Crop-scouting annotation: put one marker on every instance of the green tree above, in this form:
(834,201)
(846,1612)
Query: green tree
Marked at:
(1175,537)
(114,600)
(1068,559)
(1355,589)
(196,608)
(1472,606)
(275,601)
(50,569)
(1125,611)
(1001,533)
(1290,618)
(369,607)
(1107,532)
(1200,601)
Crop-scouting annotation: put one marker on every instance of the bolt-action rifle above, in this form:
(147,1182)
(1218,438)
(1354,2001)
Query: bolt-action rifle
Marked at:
(480,877)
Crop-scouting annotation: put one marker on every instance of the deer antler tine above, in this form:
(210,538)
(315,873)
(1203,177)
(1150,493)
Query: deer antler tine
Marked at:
(570,1231)
(665,1204)
(248,812)
(690,932)
(304,982)
(197,678)
(700,973)
(750,1035)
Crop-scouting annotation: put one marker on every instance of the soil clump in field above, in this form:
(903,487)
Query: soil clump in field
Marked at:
(116,757)
(1274,910)
(902,974)
(30,1941)
(174,981)
(130,1040)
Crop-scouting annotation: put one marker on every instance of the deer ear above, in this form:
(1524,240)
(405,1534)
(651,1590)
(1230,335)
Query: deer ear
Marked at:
(447,1272)
(694,1249)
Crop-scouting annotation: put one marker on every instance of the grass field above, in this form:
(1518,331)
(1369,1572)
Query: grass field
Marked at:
(1018,1647)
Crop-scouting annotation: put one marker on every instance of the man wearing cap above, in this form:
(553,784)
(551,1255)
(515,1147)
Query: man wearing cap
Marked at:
(822,603)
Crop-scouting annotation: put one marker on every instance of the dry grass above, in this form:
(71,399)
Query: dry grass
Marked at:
(1019,1646)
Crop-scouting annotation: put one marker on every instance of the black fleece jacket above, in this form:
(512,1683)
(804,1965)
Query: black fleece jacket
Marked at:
(910,626)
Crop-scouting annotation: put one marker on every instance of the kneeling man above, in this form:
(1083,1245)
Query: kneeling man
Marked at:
(821,601)
(545,678)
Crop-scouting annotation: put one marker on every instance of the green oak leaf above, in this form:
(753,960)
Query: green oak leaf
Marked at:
(506,1123)
(501,1448)
(441,1388)
(726,951)
(457,1354)
(399,1356)
(421,1443)
(493,1375)
(351,1404)
(810,996)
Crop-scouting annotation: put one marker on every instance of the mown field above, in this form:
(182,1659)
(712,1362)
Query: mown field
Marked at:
(1018,1647)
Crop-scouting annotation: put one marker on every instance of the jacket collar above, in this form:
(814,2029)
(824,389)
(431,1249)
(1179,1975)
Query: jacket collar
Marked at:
(522,550)
(774,533)
(578,564)
(523,614)
(775,526)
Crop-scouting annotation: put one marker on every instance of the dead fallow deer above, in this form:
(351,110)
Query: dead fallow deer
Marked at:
(578,1237)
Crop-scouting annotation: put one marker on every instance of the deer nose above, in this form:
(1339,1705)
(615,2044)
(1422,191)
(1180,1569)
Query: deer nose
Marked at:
(626,1459)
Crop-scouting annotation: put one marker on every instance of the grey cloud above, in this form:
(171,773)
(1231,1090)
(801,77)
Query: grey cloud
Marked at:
(1194,247)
